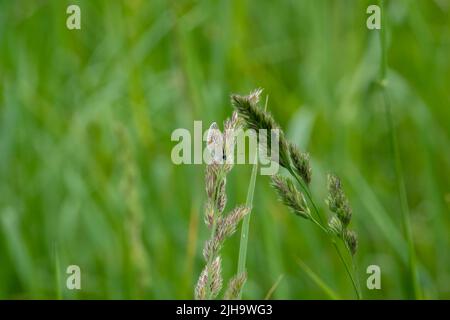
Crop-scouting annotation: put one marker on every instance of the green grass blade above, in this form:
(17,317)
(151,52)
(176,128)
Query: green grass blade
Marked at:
(273,288)
(246,223)
(378,214)
(405,213)
(318,281)
(57,273)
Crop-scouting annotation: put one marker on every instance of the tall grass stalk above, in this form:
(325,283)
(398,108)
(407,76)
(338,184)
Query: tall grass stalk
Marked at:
(405,213)
(57,273)
(246,223)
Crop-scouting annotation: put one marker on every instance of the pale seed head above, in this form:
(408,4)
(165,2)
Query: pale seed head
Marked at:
(202,283)
(215,274)
(235,286)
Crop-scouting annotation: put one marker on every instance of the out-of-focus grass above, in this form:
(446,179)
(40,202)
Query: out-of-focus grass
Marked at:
(69,181)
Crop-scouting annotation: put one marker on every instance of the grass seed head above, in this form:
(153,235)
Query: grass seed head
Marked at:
(215,273)
(256,118)
(210,281)
(211,179)
(351,239)
(227,225)
(300,163)
(209,213)
(215,187)
(212,248)
(290,196)
(337,201)
(221,196)
(200,288)
(230,126)
(235,286)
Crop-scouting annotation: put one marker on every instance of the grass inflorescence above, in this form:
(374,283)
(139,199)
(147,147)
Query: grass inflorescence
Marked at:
(297,164)
(222,225)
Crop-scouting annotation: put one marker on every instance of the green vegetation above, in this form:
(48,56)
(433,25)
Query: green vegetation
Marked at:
(86,118)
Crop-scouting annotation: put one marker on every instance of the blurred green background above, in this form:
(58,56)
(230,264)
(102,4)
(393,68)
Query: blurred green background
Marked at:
(86,117)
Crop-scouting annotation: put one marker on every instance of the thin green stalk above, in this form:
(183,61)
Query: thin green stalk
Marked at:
(273,288)
(354,267)
(358,294)
(405,214)
(57,273)
(347,269)
(355,272)
(317,223)
(246,222)
(317,280)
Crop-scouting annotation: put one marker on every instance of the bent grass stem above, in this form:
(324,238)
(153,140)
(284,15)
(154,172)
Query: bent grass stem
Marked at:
(320,225)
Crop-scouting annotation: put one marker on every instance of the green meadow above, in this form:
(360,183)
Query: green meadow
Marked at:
(86,117)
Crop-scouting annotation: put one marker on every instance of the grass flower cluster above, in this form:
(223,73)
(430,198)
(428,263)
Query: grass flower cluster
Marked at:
(297,164)
(222,225)
(339,205)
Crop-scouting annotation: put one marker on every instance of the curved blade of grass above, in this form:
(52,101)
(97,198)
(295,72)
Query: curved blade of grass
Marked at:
(317,280)
(274,287)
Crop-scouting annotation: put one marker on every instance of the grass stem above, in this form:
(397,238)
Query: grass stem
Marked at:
(246,222)
(401,189)
(57,273)
(347,269)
